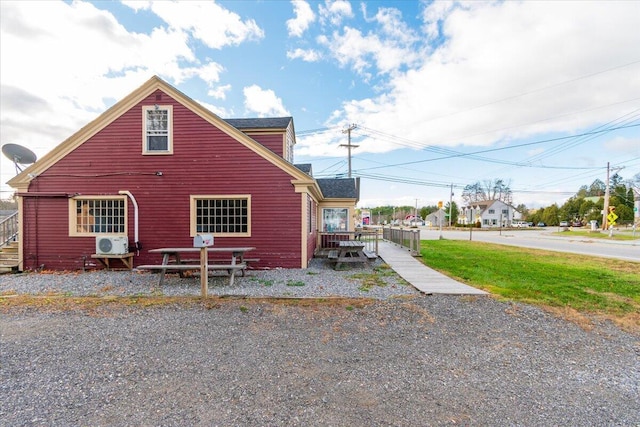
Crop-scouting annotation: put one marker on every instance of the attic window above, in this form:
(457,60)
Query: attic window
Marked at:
(157,128)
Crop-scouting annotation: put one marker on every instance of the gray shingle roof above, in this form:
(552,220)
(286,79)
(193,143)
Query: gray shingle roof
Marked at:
(339,188)
(305,167)
(260,123)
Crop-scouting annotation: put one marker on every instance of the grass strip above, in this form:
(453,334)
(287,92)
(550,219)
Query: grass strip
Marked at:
(591,285)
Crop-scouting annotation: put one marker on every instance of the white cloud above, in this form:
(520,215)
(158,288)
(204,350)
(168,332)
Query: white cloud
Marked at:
(308,55)
(388,49)
(221,112)
(215,26)
(304,17)
(219,92)
(394,28)
(335,11)
(263,102)
(507,70)
(320,145)
(363,52)
(433,16)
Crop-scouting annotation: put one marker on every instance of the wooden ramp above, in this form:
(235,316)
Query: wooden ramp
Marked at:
(419,275)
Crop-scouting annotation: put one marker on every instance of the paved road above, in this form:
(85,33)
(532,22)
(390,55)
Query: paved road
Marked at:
(546,239)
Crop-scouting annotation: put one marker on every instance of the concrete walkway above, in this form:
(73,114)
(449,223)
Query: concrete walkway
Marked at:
(419,275)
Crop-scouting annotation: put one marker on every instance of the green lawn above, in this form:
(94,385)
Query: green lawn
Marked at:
(588,285)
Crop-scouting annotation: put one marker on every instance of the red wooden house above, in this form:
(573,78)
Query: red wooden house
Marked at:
(158,168)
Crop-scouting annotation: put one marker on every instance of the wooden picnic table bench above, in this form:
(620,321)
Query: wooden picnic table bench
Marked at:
(235,264)
(350,251)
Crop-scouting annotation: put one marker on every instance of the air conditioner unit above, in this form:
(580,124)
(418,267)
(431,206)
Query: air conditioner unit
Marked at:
(112,245)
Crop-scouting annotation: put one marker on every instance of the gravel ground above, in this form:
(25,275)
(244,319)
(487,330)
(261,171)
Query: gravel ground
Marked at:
(319,280)
(398,359)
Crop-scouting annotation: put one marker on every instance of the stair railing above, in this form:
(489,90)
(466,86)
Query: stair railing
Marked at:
(9,229)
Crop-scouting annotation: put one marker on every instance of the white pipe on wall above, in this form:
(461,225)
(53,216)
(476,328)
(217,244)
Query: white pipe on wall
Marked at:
(135,221)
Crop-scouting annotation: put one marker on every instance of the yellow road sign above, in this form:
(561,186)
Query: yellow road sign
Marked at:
(611,218)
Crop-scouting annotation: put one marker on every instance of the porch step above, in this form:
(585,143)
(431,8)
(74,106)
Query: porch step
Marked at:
(9,258)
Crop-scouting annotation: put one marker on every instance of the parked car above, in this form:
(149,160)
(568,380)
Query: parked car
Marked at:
(564,223)
(576,224)
(520,224)
(412,220)
(542,224)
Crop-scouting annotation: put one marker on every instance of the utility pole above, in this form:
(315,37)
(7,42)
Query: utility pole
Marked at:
(349,146)
(607,193)
(450,203)
(605,210)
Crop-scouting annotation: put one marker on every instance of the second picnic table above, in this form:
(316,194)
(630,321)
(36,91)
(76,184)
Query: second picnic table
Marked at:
(350,251)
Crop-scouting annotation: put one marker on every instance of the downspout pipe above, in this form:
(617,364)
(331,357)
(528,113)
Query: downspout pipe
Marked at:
(135,221)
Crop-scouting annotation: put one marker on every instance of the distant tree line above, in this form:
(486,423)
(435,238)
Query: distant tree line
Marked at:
(586,205)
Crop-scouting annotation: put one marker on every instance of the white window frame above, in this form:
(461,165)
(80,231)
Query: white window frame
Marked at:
(146,132)
(193,209)
(86,228)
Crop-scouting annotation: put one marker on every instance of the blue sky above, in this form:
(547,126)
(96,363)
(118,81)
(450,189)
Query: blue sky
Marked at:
(541,94)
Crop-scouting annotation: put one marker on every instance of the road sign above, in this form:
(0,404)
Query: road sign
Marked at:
(611,218)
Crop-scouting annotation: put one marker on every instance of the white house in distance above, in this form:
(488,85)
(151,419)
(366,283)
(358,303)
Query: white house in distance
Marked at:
(489,213)
(437,219)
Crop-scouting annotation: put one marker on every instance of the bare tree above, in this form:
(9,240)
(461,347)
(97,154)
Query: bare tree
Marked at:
(497,189)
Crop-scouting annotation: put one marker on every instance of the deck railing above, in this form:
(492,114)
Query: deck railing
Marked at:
(408,238)
(9,229)
(328,240)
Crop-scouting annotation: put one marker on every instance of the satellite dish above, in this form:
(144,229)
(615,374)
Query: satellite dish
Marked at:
(19,155)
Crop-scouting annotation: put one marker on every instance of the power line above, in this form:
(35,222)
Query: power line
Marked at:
(526,144)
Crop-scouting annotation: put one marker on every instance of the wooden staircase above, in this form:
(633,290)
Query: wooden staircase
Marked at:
(9,258)
(9,243)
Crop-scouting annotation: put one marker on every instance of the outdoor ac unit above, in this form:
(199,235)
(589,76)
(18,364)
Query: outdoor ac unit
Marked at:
(112,245)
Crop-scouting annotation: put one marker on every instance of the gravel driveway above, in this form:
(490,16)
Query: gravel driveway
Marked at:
(398,359)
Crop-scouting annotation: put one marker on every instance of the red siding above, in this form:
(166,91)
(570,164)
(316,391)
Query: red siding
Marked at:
(205,160)
(274,142)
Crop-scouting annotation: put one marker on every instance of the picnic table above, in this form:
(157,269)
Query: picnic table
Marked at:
(173,261)
(350,251)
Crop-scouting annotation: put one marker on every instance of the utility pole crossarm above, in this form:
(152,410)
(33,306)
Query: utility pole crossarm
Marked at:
(349,145)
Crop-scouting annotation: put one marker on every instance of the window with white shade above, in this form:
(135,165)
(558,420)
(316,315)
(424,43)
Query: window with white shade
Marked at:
(157,129)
